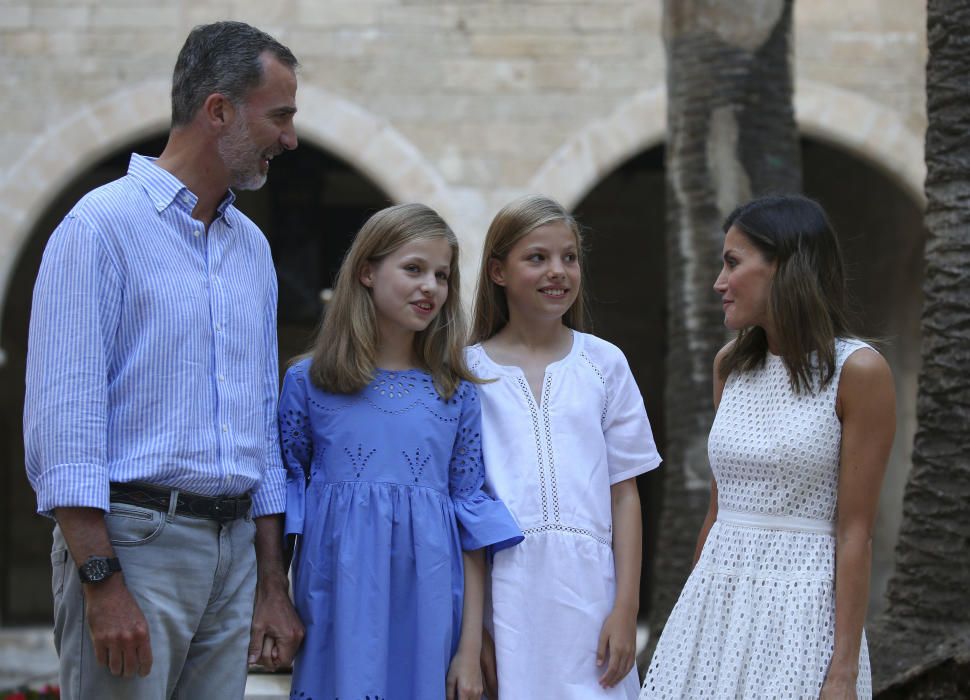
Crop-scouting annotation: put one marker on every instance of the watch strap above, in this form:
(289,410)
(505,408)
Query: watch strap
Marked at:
(97,569)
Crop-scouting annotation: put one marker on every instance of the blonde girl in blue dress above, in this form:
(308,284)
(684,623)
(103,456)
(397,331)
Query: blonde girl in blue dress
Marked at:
(381,435)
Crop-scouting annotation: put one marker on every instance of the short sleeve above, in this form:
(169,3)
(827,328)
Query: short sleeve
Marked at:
(296,445)
(483,521)
(630,447)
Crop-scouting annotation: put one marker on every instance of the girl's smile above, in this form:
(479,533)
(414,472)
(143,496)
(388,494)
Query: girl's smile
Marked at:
(409,285)
(541,273)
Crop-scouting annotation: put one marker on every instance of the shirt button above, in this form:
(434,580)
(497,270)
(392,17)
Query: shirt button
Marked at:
(222,378)
(225,428)
(197,233)
(218,328)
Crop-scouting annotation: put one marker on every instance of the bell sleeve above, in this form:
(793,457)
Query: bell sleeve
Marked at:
(483,521)
(296,445)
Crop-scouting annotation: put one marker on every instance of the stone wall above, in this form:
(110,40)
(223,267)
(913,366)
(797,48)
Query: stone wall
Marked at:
(464,104)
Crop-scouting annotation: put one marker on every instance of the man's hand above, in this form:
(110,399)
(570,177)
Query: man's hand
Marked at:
(118,628)
(276,632)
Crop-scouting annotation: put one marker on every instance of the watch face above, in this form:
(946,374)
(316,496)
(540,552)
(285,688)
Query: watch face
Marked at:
(97,570)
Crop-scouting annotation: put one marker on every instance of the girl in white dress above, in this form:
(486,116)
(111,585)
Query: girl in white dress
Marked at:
(565,434)
(805,419)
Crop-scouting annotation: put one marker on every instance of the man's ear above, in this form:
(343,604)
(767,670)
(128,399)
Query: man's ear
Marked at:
(366,275)
(218,110)
(496,271)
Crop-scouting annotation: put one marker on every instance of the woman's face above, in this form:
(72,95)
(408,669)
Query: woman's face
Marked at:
(744,283)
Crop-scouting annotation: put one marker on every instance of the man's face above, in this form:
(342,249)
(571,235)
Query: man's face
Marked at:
(262,127)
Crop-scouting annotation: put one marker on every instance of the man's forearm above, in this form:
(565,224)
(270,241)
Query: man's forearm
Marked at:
(85,532)
(270,569)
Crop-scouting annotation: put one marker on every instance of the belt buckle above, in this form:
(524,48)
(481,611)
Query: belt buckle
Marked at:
(224,509)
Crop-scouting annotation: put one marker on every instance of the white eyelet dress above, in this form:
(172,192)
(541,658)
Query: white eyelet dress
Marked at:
(756,618)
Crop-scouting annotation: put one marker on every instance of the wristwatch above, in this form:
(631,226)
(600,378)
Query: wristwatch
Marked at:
(97,569)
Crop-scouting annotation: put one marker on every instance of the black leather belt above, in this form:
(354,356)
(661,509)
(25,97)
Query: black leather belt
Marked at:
(219,508)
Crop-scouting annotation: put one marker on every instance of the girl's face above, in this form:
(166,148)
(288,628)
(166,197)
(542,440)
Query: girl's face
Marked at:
(541,273)
(409,286)
(744,283)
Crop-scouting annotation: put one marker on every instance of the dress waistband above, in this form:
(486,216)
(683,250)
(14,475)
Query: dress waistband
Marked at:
(776,522)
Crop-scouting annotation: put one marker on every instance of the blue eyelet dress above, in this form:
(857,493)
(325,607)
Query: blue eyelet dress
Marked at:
(384,493)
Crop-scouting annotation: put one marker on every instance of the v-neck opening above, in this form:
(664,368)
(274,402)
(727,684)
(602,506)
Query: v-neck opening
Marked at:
(517,371)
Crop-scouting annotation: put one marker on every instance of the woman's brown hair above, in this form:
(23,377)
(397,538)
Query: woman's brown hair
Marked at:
(807,299)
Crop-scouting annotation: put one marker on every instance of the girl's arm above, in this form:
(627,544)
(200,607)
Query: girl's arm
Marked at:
(866,405)
(464,680)
(619,633)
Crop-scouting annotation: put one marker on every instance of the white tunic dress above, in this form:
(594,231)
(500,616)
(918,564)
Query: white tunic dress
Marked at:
(552,462)
(756,618)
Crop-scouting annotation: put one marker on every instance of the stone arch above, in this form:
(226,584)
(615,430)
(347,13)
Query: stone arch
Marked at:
(596,150)
(851,121)
(367,142)
(864,128)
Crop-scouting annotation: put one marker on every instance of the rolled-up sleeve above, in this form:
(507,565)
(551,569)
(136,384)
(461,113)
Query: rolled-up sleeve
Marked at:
(74,316)
(269,496)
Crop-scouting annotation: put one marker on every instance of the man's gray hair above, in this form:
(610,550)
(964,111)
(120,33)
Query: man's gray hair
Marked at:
(221,57)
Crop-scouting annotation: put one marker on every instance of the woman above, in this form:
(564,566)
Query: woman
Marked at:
(805,420)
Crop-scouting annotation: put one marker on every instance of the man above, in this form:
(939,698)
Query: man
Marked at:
(150,414)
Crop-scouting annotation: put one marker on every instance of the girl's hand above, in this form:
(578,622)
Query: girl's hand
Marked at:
(489,666)
(618,641)
(464,677)
(838,686)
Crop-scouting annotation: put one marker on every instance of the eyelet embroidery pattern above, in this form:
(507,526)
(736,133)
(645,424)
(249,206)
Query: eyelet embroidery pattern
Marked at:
(466,464)
(392,386)
(359,460)
(547,429)
(417,464)
(294,425)
(606,393)
(566,528)
(763,598)
(535,431)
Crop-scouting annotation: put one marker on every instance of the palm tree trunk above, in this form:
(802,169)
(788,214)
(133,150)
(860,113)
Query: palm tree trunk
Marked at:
(731,136)
(921,645)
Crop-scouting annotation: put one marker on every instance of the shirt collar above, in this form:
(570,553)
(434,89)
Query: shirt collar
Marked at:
(164,189)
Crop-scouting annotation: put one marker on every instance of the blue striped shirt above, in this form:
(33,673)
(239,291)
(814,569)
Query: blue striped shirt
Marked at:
(152,350)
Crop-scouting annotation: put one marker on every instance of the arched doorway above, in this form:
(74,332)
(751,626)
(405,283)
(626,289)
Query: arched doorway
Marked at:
(624,218)
(309,210)
(880,225)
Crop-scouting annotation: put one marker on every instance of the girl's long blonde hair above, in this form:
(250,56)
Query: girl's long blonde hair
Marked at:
(345,351)
(515,220)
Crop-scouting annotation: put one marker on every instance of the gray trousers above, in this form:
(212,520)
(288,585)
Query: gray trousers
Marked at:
(194,580)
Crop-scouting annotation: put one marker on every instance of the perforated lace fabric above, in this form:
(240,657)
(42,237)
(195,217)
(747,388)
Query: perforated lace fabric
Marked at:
(756,617)
(384,490)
